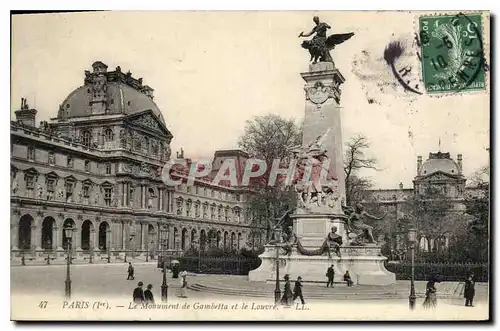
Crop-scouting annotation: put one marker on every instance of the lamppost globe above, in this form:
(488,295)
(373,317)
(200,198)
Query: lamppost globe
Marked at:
(68,231)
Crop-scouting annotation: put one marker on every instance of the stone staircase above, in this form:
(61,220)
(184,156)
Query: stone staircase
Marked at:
(338,292)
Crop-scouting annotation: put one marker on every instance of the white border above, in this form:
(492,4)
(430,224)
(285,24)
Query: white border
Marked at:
(185,5)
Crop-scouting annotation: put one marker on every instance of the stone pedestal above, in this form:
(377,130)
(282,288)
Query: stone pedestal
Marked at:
(312,229)
(365,265)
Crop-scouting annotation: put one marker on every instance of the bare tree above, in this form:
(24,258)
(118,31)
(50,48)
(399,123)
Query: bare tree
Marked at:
(356,159)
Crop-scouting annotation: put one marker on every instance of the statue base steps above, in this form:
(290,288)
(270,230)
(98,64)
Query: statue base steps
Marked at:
(364,263)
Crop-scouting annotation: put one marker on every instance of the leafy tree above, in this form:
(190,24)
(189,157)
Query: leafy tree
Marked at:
(472,240)
(268,138)
(355,159)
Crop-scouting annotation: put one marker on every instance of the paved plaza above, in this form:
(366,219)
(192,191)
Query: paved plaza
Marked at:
(216,294)
(109,280)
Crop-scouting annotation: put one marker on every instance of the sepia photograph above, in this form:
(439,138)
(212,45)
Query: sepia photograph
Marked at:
(250,166)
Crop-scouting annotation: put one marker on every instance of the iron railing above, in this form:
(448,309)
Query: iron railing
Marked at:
(445,271)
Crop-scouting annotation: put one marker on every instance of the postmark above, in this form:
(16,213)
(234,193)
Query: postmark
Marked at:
(452,53)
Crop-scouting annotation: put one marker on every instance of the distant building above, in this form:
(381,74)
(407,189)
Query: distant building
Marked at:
(97,167)
(438,171)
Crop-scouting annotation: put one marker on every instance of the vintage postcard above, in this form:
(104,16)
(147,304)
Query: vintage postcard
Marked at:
(312,165)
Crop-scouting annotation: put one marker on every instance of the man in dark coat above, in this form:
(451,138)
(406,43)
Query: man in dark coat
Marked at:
(148,295)
(330,273)
(469,290)
(297,290)
(130,271)
(138,295)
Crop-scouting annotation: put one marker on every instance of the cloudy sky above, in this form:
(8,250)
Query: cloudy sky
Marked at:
(212,71)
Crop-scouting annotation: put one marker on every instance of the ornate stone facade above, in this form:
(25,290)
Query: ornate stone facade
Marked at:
(98,170)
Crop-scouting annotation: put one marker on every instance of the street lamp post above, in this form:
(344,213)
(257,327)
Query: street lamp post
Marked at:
(69,234)
(277,291)
(23,257)
(108,245)
(49,243)
(164,285)
(412,238)
(147,250)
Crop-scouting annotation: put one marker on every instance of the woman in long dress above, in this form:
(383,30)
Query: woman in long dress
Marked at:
(183,289)
(287,298)
(430,293)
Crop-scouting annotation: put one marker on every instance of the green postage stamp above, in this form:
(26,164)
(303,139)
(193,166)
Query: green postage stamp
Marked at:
(452,53)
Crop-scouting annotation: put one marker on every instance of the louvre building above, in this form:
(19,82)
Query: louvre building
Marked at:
(96,167)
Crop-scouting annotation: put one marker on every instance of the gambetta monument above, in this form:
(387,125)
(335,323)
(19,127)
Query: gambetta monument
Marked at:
(321,231)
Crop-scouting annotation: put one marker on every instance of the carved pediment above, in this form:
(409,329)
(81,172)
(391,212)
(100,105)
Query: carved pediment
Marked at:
(439,176)
(149,121)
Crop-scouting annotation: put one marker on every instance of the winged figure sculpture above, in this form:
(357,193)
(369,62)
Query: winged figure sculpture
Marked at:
(320,45)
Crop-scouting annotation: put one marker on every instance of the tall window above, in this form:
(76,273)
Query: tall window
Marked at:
(108,168)
(51,183)
(197,209)
(69,162)
(87,165)
(31,153)
(226,214)
(52,158)
(87,138)
(86,191)
(30,181)
(205,210)
(188,207)
(69,185)
(107,196)
(212,212)
(108,135)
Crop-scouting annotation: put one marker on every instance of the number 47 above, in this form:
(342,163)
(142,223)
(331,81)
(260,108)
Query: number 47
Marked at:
(43,304)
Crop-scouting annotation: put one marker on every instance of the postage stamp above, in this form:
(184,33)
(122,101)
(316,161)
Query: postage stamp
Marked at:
(452,53)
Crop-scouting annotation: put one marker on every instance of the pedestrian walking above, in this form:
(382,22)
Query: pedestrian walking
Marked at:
(297,290)
(130,272)
(347,278)
(184,284)
(469,290)
(330,274)
(148,295)
(430,293)
(138,296)
(287,298)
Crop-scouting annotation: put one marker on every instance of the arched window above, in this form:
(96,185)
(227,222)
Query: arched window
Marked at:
(87,138)
(108,135)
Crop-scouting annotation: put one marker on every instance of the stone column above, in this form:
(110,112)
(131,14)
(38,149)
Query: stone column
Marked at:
(92,240)
(33,239)
(144,233)
(160,199)
(14,233)
(55,241)
(322,113)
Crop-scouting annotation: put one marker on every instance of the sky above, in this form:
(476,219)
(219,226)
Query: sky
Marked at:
(212,71)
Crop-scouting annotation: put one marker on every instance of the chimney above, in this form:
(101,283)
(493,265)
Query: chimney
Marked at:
(459,162)
(25,115)
(419,164)
(401,185)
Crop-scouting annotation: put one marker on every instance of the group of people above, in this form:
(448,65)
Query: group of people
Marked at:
(330,274)
(141,296)
(289,297)
(431,291)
